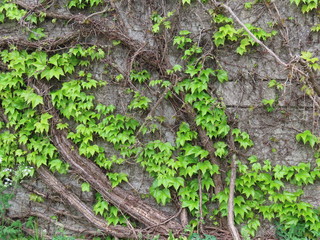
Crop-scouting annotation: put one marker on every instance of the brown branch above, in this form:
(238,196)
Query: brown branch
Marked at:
(92,174)
(311,77)
(49,179)
(109,29)
(154,108)
(40,9)
(46,44)
(249,32)
(201,221)
(309,74)
(207,144)
(103,26)
(96,13)
(184,217)
(32,189)
(232,228)
(167,220)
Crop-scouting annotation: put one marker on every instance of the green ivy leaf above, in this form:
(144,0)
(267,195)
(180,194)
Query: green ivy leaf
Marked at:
(207,183)
(54,59)
(221,149)
(36,198)
(56,72)
(162,196)
(253,159)
(85,187)
(30,97)
(307,137)
(37,34)
(56,165)
(100,207)
(190,204)
(117,178)
(186,2)
(43,125)
(92,150)
(36,159)
(61,126)
(222,75)
(204,166)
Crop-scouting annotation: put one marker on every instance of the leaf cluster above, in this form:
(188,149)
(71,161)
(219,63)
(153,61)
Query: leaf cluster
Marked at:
(159,21)
(306,5)
(81,4)
(260,192)
(228,32)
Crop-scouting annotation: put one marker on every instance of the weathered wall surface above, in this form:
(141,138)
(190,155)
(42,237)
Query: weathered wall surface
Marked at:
(273,132)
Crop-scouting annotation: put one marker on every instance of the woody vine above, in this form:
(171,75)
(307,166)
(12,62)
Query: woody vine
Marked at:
(52,123)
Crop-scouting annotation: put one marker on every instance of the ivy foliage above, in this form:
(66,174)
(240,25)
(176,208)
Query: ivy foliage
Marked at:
(306,5)
(24,138)
(227,32)
(182,169)
(260,188)
(81,4)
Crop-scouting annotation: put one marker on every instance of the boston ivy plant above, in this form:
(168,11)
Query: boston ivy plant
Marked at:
(182,170)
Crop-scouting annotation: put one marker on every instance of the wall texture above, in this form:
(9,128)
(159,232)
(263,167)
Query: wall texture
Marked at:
(273,132)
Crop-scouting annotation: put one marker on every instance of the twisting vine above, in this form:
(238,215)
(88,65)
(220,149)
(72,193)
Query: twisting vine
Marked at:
(52,122)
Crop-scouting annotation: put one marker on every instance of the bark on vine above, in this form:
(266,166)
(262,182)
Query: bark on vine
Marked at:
(91,173)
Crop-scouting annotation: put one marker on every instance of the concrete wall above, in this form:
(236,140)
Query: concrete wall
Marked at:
(273,132)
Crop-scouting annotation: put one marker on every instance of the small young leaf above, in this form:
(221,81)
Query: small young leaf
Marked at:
(85,187)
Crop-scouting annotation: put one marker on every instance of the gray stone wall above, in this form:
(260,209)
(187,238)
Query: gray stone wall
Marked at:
(273,132)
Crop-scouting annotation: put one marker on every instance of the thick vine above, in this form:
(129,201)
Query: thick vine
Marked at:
(52,121)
